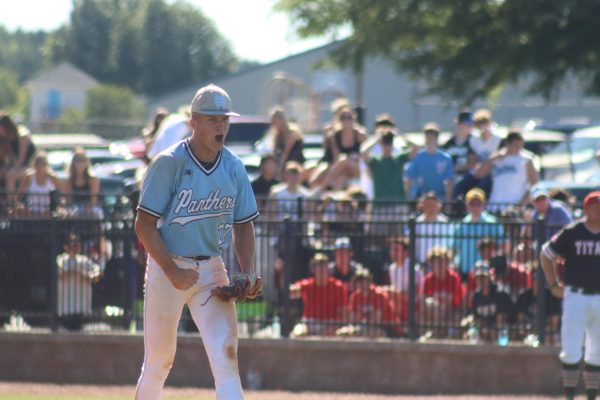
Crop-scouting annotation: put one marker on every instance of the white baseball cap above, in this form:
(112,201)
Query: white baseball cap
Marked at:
(212,100)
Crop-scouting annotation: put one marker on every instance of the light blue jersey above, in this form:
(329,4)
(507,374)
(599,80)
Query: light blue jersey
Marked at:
(197,207)
(428,171)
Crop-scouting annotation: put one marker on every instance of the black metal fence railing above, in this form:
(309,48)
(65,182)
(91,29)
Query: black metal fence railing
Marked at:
(432,284)
(326,272)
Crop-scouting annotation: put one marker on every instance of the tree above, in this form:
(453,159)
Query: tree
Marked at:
(22,52)
(70,120)
(88,43)
(112,102)
(113,111)
(148,45)
(465,49)
(9,83)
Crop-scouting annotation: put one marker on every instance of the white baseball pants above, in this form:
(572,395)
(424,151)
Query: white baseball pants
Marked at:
(216,321)
(580,322)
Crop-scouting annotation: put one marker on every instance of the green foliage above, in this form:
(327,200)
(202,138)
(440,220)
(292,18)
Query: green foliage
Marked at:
(14,98)
(114,102)
(9,82)
(465,49)
(22,52)
(148,45)
(23,104)
(88,40)
(71,120)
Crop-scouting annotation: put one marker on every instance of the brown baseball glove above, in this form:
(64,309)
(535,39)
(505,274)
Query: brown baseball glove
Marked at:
(242,287)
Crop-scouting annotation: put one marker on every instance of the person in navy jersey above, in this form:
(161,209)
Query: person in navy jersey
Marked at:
(463,156)
(492,304)
(195,196)
(578,246)
(431,169)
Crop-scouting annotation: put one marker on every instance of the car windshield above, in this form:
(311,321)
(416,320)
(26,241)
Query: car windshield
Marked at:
(581,148)
(246,132)
(573,160)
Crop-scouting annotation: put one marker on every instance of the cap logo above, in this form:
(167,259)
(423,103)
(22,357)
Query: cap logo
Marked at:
(220,101)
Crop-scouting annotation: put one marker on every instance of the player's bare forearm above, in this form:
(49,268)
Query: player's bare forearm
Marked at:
(448,187)
(549,268)
(147,232)
(244,243)
(408,188)
(484,168)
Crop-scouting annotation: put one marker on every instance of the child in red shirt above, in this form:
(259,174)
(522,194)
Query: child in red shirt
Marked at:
(373,308)
(444,295)
(324,298)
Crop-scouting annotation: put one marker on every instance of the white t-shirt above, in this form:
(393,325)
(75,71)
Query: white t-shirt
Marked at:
(75,283)
(38,196)
(432,234)
(400,277)
(286,202)
(509,180)
(483,149)
(172,130)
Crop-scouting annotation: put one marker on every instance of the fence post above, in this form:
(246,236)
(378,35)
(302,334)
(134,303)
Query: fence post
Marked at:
(130,277)
(299,209)
(541,227)
(53,295)
(412,254)
(285,315)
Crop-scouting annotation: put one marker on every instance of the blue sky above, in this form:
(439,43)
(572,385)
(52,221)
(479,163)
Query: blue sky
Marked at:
(254,30)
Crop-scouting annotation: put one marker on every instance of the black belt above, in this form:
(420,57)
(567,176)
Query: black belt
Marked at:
(581,290)
(195,258)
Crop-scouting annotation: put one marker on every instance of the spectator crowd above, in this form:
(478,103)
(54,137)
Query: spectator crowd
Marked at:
(381,224)
(383,229)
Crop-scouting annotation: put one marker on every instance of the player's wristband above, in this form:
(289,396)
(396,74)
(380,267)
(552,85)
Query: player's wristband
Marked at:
(554,285)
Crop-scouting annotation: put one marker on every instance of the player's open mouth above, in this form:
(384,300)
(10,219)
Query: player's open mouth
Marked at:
(219,138)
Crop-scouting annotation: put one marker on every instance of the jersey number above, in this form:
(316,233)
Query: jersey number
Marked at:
(223,233)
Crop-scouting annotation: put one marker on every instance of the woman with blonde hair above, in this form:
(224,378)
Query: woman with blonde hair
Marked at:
(342,151)
(285,139)
(37,184)
(81,186)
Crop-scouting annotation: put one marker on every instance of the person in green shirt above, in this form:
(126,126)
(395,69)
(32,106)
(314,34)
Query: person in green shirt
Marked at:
(387,174)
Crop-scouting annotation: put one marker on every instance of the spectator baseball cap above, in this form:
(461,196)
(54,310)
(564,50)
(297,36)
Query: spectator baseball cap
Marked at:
(465,117)
(475,194)
(362,274)
(384,119)
(481,268)
(482,116)
(293,166)
(72,237)
(592,198)
(537,193)
(340,103)
(319,258)
(212,100)
(431,127)
(343,243)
